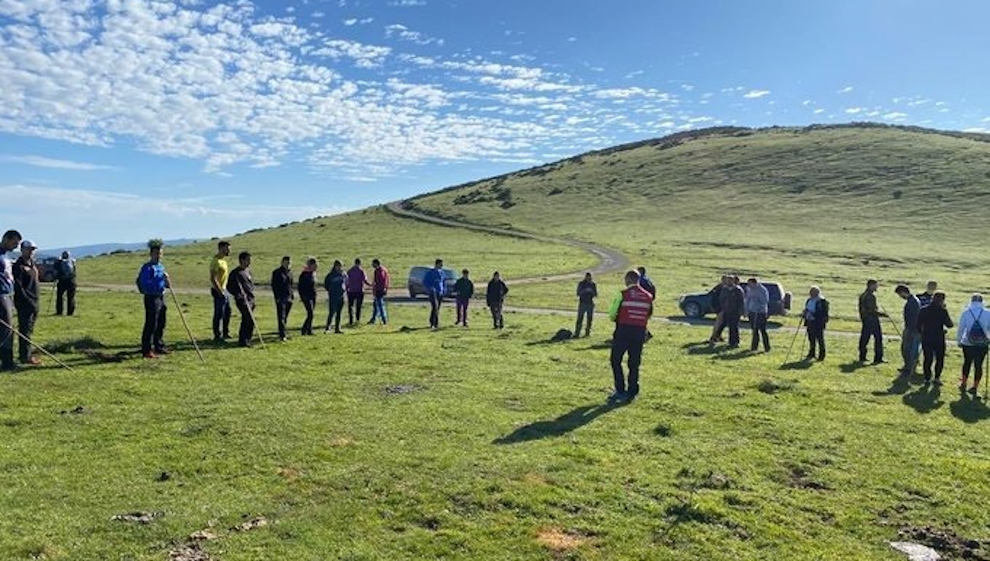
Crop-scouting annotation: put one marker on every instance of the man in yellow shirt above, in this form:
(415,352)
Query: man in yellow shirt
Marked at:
(218,283)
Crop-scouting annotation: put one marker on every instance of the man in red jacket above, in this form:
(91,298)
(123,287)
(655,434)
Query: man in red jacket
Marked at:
(631,311)
(379,288)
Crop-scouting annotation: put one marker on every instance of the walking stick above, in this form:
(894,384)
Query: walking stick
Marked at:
(184,324)
(891,320)
(39,347)
(796,332)
(54,285)
(256,328)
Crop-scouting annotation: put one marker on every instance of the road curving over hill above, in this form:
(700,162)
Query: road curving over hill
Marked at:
(609,260)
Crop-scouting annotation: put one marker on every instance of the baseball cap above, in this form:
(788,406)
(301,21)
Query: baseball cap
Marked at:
(28,244)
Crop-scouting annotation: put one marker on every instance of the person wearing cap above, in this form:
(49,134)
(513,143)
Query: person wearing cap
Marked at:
(65,277)
(631,310)
(240,285)
(152,281)
(9,242)
(379,289)
(26,296)
(911,336)
(219,271)
(284,292)
(816,316)
(307,293)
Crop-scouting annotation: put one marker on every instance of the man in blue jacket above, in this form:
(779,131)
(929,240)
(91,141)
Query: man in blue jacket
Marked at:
(435,282)
(152,281)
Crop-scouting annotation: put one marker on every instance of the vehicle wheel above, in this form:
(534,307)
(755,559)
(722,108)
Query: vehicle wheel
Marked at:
(787,300)
(412,294)
(692,310)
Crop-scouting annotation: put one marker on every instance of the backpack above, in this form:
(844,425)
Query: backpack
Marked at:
(976,335)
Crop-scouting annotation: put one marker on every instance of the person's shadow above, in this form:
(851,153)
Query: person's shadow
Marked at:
(564,424)
(969,409)
(925,399)
(898,386)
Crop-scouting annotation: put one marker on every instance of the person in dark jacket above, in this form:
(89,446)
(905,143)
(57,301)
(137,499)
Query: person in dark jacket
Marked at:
(26,297)
(910,337)
(10,240)
(587,291)
(926,297)
(307,293)
(240,285)
(933,320)
(435,282)
(757,307)
(631,310)
(869,316)
(357,279)
(816,315)
(284,292)
(335,285)
(733,301)
(715,296)
(646,283)
(65,277)
(380,284)
(495,298)
(152,281)
(464,289)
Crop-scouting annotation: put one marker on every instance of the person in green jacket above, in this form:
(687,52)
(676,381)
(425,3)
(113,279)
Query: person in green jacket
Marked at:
(464,290)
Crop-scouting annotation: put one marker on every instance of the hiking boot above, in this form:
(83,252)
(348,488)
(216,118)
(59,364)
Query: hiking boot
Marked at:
(245,344)
(162,351)
(972,391)
(33,361)
(809,357)
(962,384)
(617,397)
(337,331)
(149,354)
(879,361)
(937,381)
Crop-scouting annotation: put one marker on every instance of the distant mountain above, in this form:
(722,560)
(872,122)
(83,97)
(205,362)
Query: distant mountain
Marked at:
(104,248)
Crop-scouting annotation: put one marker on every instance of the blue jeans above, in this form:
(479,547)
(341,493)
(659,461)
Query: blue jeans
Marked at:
(378,309)
(910,341)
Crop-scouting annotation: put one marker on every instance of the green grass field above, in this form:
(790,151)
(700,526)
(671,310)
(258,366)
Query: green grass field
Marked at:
(392,443)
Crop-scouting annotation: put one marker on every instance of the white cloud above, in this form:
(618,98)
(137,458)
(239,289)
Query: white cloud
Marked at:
(407,3)
(977,129)
(756,94)
(845,90)
(895,116)
(43,162)
(818,111)
(402,32)
(364,56)
(853,110)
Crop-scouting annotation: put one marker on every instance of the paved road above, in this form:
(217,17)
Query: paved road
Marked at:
(609,260)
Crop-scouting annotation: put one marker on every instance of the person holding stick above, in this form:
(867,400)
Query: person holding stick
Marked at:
(307,293)
(65,281)
(10,240)
(869,316)
(26,298)
(152,280)
(282,289)
(219,271)
(240,285)
(335,285)
(815,319)
(973,336)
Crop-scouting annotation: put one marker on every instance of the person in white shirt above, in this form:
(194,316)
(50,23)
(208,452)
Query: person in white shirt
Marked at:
(974,338)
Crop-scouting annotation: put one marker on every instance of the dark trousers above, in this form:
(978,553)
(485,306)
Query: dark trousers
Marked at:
(871,328)
(310,305)
(336,304)
(585,310)
(6,334)
(246,332)
(354,302)
(627,340)
(934,350)
(498,321)
(462,311)
(154,323)
(221,314)
(27,315)
(816,341)
(758,324)
(66,289)
(732,322)
(282,309)
(435,300)
(973,357)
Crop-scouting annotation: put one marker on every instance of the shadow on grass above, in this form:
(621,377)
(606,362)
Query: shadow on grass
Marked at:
(850,367)
(925,399)
(898,386)
(702,348)
(802,364)
(737,355)
(743,322)
(969,409)
(564,424)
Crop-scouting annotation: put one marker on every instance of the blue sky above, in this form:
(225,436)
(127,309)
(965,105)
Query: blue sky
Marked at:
(128,119)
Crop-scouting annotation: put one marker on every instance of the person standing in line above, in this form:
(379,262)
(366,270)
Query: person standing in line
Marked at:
(816,316)
(307,293)
(587,291)
(733,305)
(910,337)
(926,297)
(758,307)
(10,240)
(933,320)
(152,281)
(869,316)
(219,271)
(973,336)
(284,292)
(26,297)
(646,283)
(240,285)
(65,277)
(715,295)
(380,283)
(495,298)
(334,283)
(435,282)
(463,291)
(356,281)
(631,310)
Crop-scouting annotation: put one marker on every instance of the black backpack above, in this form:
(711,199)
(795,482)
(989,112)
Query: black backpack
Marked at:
(976,335)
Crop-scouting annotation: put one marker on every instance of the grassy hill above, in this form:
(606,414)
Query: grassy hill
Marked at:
(817,205)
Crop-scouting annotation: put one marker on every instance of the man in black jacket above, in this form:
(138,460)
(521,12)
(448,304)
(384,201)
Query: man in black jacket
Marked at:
(869,315)
(933,320)
(495,298)
(815,318)
(733,301)
(587,291)
(26,298)
(715,296)
(65,276)
(240,285)
(307,293)
(282,289)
